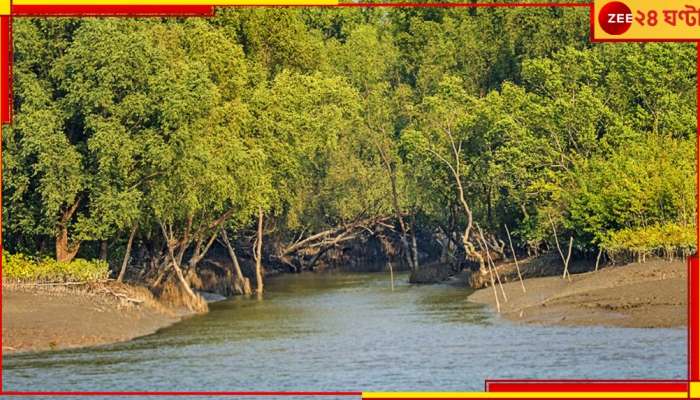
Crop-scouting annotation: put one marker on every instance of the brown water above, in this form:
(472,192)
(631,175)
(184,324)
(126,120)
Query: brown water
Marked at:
(318,332)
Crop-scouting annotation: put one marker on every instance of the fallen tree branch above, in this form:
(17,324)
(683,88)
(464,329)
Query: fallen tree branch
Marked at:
(309,241)
(120,296)
(41,284)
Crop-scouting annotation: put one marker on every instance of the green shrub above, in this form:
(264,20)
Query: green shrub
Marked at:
(23,268)
(639,199)
(660,239)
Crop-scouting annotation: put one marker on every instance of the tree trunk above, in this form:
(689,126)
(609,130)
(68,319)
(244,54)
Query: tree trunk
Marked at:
(181,278)
(242,283)
(199,253)
(414,242)
(127,254)
(65,252)
(103,250)
(174,263)
(185,240)
(397,210)
(568,257)
(468,246)
(469,249)
(258,254)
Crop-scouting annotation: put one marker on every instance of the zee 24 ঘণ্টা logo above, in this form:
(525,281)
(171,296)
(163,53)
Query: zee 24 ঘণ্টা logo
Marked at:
(671,19)
(615,18)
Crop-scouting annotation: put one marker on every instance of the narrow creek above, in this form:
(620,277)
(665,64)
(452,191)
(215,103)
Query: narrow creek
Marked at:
(339,331)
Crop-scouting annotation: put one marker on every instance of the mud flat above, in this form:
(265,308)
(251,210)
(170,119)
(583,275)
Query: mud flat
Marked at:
(648,295)
(36,318)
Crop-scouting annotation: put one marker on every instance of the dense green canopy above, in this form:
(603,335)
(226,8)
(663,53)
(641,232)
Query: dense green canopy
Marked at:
(320,118)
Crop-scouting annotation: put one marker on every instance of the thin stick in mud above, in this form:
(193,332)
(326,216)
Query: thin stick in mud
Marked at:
(515,258)
(568,257)
(495,270)
(493,284)
(565,260)
(597,259)
(490,262)
(495,293)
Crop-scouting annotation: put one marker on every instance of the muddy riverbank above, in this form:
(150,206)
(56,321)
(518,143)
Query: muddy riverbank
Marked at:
(54,318)
(649,295)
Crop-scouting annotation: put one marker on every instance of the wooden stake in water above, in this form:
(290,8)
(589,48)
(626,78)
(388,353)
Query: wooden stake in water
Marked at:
(391,273)
(495,293)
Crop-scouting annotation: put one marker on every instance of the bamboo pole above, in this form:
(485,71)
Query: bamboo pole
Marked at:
(257,255)
(515,258)
(597,259)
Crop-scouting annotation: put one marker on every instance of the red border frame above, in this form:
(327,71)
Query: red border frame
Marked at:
(499,385)
(113,11)
(569,385)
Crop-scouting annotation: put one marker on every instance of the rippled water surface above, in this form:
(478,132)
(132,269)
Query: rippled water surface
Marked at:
(351,332)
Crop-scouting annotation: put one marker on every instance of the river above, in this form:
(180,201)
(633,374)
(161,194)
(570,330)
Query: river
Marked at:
(338,332)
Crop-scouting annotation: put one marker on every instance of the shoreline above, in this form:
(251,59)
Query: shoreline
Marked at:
(648,295)
(57,318)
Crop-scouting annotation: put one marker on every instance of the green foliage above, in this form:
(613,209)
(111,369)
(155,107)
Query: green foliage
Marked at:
(636,195)
(301,122)
(320,117)
(22,268)
(663,239)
